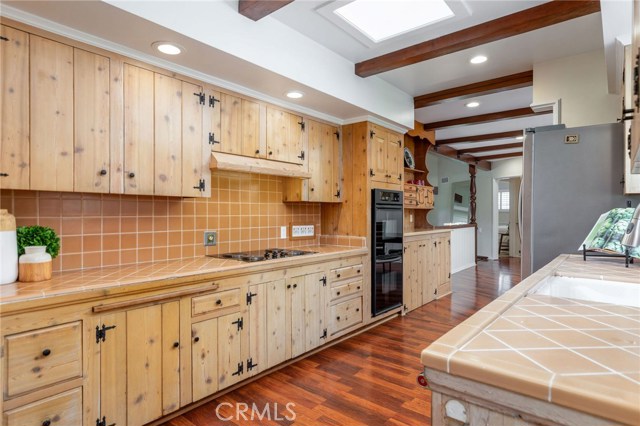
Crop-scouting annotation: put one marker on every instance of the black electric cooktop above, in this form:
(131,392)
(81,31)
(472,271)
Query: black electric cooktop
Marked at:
(260,255)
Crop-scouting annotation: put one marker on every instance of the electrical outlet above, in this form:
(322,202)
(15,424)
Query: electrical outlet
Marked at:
(210,238)
(298,231)
(283,232)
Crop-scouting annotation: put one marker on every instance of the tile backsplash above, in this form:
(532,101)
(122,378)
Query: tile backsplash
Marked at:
(108,230)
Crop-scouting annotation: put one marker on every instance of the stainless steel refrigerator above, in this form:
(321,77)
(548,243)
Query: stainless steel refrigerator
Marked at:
(570,177)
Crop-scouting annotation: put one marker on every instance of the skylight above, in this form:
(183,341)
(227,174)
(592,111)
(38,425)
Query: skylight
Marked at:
(383,19)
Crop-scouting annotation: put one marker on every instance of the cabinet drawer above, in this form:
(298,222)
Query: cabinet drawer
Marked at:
(346,289)
(345,314)
(346,272)
(63,409)
(410,202)
(43,357)
(410,195)
(215,302)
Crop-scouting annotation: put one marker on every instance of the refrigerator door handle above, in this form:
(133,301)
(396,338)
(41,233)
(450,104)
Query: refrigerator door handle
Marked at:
(520,209)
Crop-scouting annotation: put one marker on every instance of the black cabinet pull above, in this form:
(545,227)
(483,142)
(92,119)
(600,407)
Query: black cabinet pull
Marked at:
(103,172)
(357,309)
(46,352)
(338,318)
(176,344)
(295,286)
(196,339)
(289,286)
(338,293)
(257,151)
(218,302)
(358,271)
(338,275)
(312,189)
(46,423)
(131,175)
(270,152)
(358,287)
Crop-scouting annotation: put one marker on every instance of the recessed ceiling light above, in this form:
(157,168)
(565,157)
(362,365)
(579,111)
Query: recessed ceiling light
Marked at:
(381,20)
(478,59)
(473,104)
(167,48)
(294,94)
(519,138)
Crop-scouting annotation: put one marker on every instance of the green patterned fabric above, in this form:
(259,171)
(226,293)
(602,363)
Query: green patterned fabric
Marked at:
(608,231)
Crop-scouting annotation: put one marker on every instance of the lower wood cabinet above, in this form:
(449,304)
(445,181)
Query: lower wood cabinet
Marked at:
(426,269)
(62,409)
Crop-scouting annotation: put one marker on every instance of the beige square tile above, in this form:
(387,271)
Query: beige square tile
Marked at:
(521,339)
(613,358)
(562,361)
(616,337)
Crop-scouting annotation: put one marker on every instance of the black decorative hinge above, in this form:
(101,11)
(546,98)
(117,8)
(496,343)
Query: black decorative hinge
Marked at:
(371,172)
(201,185)
(337,133)
(435,291)
(324,334)
(250,297)
(301,156)
(449,275)
(400,143)
(435,244)
(212,139)
(250,364)
(239,323)
(4,174)
(101,332)
(103,422)
(337,194)
(201,97)
(302,125)
(449,241)
(212,101)
(3,38)
(323,280)
(240,369)
(371,134)
(400,176)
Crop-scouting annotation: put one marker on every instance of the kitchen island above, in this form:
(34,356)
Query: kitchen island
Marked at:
(531,358)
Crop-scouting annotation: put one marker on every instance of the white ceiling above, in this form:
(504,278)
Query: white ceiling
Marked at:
(293,48)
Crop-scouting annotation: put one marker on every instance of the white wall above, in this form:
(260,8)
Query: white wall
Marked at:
(580,82)
(440,167)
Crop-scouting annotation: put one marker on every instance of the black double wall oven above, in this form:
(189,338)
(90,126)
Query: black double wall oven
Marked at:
(386,251)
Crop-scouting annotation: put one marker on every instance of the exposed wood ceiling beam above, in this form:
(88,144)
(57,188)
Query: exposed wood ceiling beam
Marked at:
(551,13)
(485,118)
(499,156)
(490,148)
(487,87)
(258,9)
(452,153)
(481,138)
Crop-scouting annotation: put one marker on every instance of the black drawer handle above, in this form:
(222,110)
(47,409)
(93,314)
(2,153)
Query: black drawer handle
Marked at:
(270,152)
(131,175)
(357,309)
(46,352)
(313,189)
(289,286)
(257,151)
(218,302)
(358,271)
(196,339)
(338,293)
(295,286)
(46,423)
(103,172)
(176,344)
(358,287)
(338,318)
(338,275)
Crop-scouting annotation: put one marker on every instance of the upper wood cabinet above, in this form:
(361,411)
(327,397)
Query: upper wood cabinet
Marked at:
(284,136)
(385,155)
(14,107)
(239,131)
(324,186)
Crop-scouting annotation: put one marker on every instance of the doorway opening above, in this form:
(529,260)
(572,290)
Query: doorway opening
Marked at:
(508,231)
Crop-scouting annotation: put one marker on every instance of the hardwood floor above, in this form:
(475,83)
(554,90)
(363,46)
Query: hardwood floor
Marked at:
(367,380)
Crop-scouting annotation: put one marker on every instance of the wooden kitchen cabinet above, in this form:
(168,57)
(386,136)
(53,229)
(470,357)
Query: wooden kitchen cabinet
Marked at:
(284,136)
(231,349)
(14,109)
(167,135)
(239,127)
(51,114)
(442,268)
(140,364)
(204,358)
(323,157)
(306,310)
(386,156)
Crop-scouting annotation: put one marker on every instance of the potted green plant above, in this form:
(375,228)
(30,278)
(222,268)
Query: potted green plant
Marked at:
(37,246)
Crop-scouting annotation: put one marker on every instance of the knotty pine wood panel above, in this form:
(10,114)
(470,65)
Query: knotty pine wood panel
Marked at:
(229,350)
(170,357)
(51,115)
(168,135)
(251,129)
(195,162)
(204,358)
(369,379)
(14,109)
(91,122)
(315,310)
(65,408)
(113,371)
(378,154)
(296,313)
(230,125)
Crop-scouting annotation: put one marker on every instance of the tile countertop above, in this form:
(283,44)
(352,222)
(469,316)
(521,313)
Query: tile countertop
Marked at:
(425,232)
(105,280)
(578,354)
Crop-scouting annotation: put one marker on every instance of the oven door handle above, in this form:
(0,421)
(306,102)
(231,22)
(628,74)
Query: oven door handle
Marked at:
(389,260)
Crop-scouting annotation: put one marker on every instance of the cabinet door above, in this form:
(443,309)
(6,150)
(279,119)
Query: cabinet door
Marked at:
(230,356)
(14,109)
(267,326)
(320,159)
(378,154)
(408,274)
(395,158)
(284,136)
(204,358)
(140,364)
(296,311)
(138,130)
(51,100)
(91,122)
(195,145)
(427,283)
(168,135)
(230,125)
(315,315)
(251,129)
(212,125)
(444,248)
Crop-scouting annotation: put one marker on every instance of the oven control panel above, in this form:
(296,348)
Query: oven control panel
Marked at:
(387,197)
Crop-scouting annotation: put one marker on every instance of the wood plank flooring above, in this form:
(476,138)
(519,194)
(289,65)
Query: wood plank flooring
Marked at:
(368,380)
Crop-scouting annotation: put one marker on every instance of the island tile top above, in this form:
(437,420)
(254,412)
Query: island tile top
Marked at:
(579,354)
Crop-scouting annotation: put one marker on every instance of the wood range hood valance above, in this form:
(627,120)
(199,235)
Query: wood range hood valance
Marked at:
(237,163)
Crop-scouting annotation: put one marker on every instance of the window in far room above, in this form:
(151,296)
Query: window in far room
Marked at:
(503,200)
